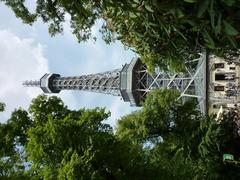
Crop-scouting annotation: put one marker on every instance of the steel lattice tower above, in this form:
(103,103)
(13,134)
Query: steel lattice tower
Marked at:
(133,82)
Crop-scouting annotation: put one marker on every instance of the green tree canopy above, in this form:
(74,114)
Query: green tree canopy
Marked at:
(161,115)
(164,33)
(13,136)
(175,139)
(69,144)
(59,143)
(166,139)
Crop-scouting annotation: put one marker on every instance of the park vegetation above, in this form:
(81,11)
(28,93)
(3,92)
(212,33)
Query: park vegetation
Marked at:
(166,139)
(164,33)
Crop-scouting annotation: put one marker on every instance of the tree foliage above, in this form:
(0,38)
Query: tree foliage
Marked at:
(164,33)
(160,116)
(2,106)
(83,15)
(177,140)
(167,139)
(13,136)
(59,143)
(69,144)
(170,32)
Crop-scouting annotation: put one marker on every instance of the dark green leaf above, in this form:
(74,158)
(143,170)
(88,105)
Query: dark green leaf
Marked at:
(202,8)
(191,22)
(208,39)
(229,29)
(190,1)
(132,15)
(136,1)
(179,13)
(181,34)
(229,2)
(232,41)
(217,29)
(212,14)
(148,8)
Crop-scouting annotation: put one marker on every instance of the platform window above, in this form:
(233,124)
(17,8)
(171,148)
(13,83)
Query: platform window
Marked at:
(219,65)
(219,77)
(218,88)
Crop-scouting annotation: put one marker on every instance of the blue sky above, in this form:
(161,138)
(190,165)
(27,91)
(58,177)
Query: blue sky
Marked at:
(27,52)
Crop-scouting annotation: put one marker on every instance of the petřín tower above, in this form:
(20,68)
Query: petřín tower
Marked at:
(133,81)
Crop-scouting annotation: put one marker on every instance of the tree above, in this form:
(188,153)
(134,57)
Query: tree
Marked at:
(167,139)
(176,140)
(164,33)
(66,144)
(2,106)
(170,32)
(71,144)
(13,136)
(83,15)
(162,130)
(160,116)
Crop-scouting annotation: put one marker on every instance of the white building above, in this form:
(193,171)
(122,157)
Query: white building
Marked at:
(223,84)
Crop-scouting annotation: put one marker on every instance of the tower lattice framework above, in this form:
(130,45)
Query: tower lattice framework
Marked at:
(133,81)
(190,84)
(107,83)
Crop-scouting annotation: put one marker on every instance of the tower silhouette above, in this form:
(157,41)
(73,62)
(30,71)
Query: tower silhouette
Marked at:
(133,81)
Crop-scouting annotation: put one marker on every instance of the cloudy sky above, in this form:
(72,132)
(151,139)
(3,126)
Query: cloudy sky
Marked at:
(28,52)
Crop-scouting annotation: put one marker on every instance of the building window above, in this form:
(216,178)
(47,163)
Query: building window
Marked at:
(218,88)
(219,77)
(232,68)
(219,65)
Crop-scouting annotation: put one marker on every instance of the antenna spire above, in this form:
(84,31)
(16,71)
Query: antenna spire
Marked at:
(31,83)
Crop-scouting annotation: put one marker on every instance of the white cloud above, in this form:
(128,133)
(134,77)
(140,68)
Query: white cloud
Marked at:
(21,59)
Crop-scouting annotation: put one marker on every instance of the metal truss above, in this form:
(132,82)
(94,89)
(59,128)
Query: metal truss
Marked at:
(31,83)
(191,84)
(107,83)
